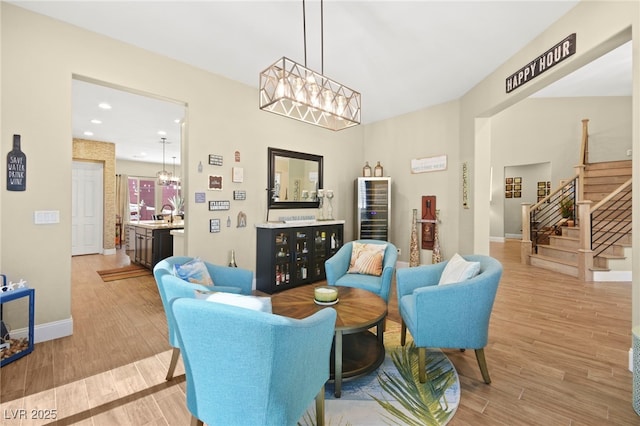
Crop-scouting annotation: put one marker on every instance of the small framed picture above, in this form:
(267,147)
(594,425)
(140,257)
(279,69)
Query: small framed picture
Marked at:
(517,194)
(541,192)
(219,205)
(508,194)
(508,181)
(215,183)
(542,184)
(237,174)
(517,187)
(215,160)
(517,180)
(508,187)
(214,225)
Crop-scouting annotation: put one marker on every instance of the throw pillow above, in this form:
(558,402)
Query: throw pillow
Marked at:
(194,271)
(256,303)
(458,270)
(367,259)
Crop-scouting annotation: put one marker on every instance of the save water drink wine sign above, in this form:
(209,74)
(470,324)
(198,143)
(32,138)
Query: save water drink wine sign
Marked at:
(16,167)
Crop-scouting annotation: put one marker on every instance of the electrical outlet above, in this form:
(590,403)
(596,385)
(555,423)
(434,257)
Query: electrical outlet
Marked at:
(399,252)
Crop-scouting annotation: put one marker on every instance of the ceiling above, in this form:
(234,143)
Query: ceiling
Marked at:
(401,55)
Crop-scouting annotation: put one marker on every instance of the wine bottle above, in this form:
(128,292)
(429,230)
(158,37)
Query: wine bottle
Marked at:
(16,167)
(232,262)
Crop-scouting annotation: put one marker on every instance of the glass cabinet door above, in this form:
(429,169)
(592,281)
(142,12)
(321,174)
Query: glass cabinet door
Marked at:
(320,244)
(303,254)
(282,259)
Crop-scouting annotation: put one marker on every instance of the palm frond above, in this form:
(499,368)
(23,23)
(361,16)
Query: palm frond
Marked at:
(423,403)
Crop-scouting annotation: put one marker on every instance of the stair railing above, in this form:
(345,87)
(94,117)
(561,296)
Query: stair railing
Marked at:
(611,219)
(544,218)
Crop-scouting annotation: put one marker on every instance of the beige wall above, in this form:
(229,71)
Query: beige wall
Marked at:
(427,133)
(541,130)
(222,117)
(105,153)
(600,27)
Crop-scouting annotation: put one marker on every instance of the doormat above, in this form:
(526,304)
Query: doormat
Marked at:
(129,271)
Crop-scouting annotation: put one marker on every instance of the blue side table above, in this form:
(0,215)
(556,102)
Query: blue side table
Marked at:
(8,296)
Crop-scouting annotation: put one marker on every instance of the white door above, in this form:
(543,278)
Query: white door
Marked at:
(87,206)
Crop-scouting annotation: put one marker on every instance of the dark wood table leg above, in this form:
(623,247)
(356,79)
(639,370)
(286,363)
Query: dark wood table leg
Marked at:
(337,374)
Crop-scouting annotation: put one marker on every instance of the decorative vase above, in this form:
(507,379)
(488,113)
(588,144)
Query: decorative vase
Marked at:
(366,170)
(377,171)
(320,204)
(232,262)
(436,256)
(328,194)
(414,251)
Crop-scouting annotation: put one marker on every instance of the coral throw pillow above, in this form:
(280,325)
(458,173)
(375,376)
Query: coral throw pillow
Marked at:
(367,259)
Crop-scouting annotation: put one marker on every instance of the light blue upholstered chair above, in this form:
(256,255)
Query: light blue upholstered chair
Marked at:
(336,270)
(448,316)
(226,279)
(257,368)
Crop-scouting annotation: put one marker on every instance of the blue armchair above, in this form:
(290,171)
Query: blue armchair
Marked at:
(226,279)
(336,270)
(267,370)
(448,316)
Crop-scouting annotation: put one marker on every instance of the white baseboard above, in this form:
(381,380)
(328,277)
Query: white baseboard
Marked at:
(612,276)
(44,332)
(107,252)
(400,264)
(496,239)
(513,236)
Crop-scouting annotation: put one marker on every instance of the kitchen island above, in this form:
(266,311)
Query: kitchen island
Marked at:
(152,240)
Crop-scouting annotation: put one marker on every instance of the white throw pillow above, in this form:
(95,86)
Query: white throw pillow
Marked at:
(458,270)
(256,303)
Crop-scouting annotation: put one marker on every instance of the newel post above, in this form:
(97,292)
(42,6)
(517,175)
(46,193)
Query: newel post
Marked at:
(585,254)
(525,243)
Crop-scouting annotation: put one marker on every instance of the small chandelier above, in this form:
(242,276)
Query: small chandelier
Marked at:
(175,179)
(293,90)
(163,176)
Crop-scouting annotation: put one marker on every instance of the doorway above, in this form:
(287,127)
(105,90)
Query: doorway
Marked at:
(86,207)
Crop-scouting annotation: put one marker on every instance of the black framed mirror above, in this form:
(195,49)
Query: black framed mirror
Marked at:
(294,179)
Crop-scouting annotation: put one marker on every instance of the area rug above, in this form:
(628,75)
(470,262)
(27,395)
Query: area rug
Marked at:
(129,271)
(393,395)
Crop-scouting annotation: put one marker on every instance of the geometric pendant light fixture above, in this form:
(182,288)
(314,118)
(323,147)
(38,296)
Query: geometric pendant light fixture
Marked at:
(164,177)
(290,89)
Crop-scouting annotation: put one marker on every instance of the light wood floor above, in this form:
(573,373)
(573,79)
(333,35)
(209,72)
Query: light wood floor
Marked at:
(557,354)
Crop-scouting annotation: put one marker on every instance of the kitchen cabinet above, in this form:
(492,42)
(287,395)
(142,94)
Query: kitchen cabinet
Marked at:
(289,255)
(152,243)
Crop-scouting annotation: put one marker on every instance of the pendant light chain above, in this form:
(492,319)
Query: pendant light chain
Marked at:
(304,31)
(322,37)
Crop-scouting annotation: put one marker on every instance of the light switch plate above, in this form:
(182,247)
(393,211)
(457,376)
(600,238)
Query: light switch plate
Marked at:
(42,217)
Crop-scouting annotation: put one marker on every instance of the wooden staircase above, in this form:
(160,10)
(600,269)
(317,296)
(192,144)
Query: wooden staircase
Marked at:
(562,254)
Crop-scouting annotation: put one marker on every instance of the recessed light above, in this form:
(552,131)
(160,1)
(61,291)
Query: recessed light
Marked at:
(95,121)
(104,105)
(162,132)
(88,133)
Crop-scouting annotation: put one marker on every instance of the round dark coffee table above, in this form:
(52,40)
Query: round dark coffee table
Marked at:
(356,350)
